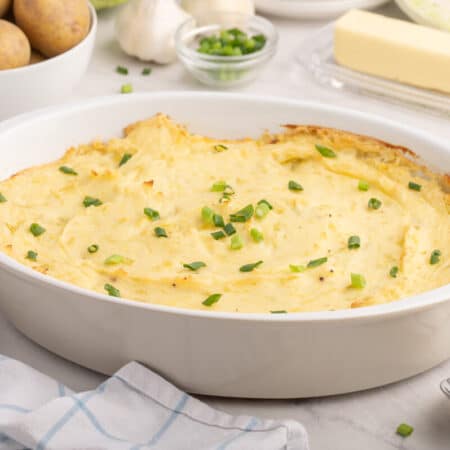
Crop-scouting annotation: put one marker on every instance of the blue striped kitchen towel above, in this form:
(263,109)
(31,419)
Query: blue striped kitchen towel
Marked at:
(134,409)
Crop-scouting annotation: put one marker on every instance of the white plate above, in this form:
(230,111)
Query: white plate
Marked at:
(313,9)
(228,354)
(431,13)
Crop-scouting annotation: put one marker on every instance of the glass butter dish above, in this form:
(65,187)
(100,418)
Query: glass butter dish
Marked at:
(316,56)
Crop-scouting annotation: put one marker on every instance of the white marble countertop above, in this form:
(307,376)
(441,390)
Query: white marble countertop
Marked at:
(361,421)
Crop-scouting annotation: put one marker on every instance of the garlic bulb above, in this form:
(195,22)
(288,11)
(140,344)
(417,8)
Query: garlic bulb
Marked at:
(146,28)
(206,11)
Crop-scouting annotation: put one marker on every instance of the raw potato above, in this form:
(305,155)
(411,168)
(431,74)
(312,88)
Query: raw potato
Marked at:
(4,6)
(36,57)
(14,46)
(53,26)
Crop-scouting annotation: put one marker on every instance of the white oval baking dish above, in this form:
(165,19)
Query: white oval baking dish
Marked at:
(237,355)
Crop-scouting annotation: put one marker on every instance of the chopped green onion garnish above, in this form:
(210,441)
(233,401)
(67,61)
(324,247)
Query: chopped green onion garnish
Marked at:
(363,185)
(393,272)
(374,203)
(317,262)
(219,186)
(404,430)
(194,265)
(250,267)
(91,201)
(256,235)
(67,170)
(325,151)
(354,242)
(117,259)
(229,229)
(220,148)
(36,229)
(93,248)
(281,311)
(111,290)
(207,215)
(414,186)
(218,235)
(2,198)
(243,215)
(297,268)
(265,202)
(236,242)
(214,298)
(125,158)
(122,70)
(262,209)
(152,214)
(160,232)
(218,220)
(435,257)
(294,186)
(32,256)
(126,89)
(358,281)
(146,71)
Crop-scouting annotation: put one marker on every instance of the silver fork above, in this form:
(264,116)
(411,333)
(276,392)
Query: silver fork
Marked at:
(445,386)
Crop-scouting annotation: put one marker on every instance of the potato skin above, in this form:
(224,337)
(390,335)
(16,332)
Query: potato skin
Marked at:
(4,7)
(14,46)
(53,26)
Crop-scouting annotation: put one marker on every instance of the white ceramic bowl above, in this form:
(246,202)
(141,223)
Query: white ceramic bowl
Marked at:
(46,82)
(247,355)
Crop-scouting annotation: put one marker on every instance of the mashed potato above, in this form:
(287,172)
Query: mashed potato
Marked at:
(308,220)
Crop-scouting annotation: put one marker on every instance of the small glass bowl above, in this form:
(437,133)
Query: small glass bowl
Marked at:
(224,71)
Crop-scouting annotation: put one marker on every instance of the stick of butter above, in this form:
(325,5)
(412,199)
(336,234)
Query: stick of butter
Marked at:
(393,49)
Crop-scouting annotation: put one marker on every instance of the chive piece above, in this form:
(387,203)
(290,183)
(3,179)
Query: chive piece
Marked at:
(207,215)
(91,201)
(236,242)
(354,242)
(297,268)
(152,214)
(67,170)
(93,248)
(220,148)
(146,71)
(404,430)
(219,186)
(31,255)
(393,272)
(242,215)
(250,267)
(214,298)
(126,89)
(218,235)
(325,151)
(117,259)
(281,311)
(2,198)
(111,290)
(294,186)
(160,232)
(36,229)
(435,257)
(357,280)
(374,203)
(122,70)
(363,185)
(228,191)
(256,235)
(317,262)
(125,158)
(414,186)
(218,220)
(194,265)
(229,229)
(265,202)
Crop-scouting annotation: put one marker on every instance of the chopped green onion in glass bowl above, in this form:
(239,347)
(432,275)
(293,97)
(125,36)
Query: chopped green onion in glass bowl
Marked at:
(229,51)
